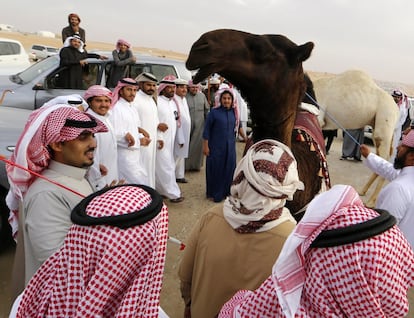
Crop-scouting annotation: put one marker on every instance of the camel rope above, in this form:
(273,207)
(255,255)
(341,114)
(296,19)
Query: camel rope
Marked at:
(333,119)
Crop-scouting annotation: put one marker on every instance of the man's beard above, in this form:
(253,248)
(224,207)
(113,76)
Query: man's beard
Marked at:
(399,162)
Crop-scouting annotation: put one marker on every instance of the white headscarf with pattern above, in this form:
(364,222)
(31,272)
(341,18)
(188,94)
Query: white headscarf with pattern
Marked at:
(264,179)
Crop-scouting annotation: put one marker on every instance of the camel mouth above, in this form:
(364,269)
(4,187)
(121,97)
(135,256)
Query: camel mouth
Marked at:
(203,72)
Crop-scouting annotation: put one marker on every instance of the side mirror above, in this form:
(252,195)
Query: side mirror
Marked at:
(38,87)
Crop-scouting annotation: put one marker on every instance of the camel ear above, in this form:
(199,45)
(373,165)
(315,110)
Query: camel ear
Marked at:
(305,51)
(302,53)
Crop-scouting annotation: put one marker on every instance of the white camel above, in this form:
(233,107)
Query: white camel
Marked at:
(354,100)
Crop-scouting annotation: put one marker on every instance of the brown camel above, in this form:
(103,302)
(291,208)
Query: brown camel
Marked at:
(267,69)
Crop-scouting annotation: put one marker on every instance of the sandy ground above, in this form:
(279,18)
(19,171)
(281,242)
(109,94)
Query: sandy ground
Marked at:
(182,217)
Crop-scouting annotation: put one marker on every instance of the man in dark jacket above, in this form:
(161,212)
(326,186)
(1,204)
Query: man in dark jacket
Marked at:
(73,57)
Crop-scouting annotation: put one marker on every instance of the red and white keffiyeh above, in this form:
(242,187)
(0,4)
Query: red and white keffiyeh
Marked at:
(169,80)
(408,139)
(191,84)
(264,179)
(368,278)
(97,90)
(122,83)
(122,42)
(102,270)
(44,126)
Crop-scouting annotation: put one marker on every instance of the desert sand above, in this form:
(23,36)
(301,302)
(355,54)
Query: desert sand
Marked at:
(28,39)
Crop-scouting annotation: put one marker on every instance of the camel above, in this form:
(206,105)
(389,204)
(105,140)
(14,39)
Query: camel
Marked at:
(4,94)
(354,100)
(267,69)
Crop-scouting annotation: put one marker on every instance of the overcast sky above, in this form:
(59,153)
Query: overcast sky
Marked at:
(376,36)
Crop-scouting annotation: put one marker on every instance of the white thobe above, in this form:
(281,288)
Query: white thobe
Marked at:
(243,111)
(397,197)
(106,154)
(148,114)
(125,119)
(403,112)
(165,182)
(182,137)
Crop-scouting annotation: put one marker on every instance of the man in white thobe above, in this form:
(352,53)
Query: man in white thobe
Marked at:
(126,123)
(104,170)
(165,182)
(403,106)
(182,140)
(147,109)
(397,196)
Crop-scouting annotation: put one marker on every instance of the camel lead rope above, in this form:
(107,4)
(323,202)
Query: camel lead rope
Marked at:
(334,120)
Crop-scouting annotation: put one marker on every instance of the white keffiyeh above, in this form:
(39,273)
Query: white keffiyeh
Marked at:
(264,179)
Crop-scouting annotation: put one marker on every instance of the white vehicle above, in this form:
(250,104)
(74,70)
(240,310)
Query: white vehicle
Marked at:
(13,57)
(40,51)
(7,27)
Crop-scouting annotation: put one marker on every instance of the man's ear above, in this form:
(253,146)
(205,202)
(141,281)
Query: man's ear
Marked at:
(56,146)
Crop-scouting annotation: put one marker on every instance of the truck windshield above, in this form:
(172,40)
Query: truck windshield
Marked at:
(36,69)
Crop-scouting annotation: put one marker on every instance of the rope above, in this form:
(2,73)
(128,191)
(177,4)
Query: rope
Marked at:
(333,119)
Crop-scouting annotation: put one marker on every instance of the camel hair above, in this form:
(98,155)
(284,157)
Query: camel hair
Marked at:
(354,100)
(267,69)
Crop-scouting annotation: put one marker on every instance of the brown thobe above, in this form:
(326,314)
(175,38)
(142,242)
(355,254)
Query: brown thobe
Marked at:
(218,261)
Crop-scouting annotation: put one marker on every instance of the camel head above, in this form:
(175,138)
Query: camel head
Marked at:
(267,69)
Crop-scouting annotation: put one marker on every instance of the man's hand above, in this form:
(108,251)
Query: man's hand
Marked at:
(103,170)
(116,182)
(162,127)
(130,139)
(406,130)
(144,141)
(144,132)
(160,144)
(365,151)
(206,150)
(83,62)
(103,57)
